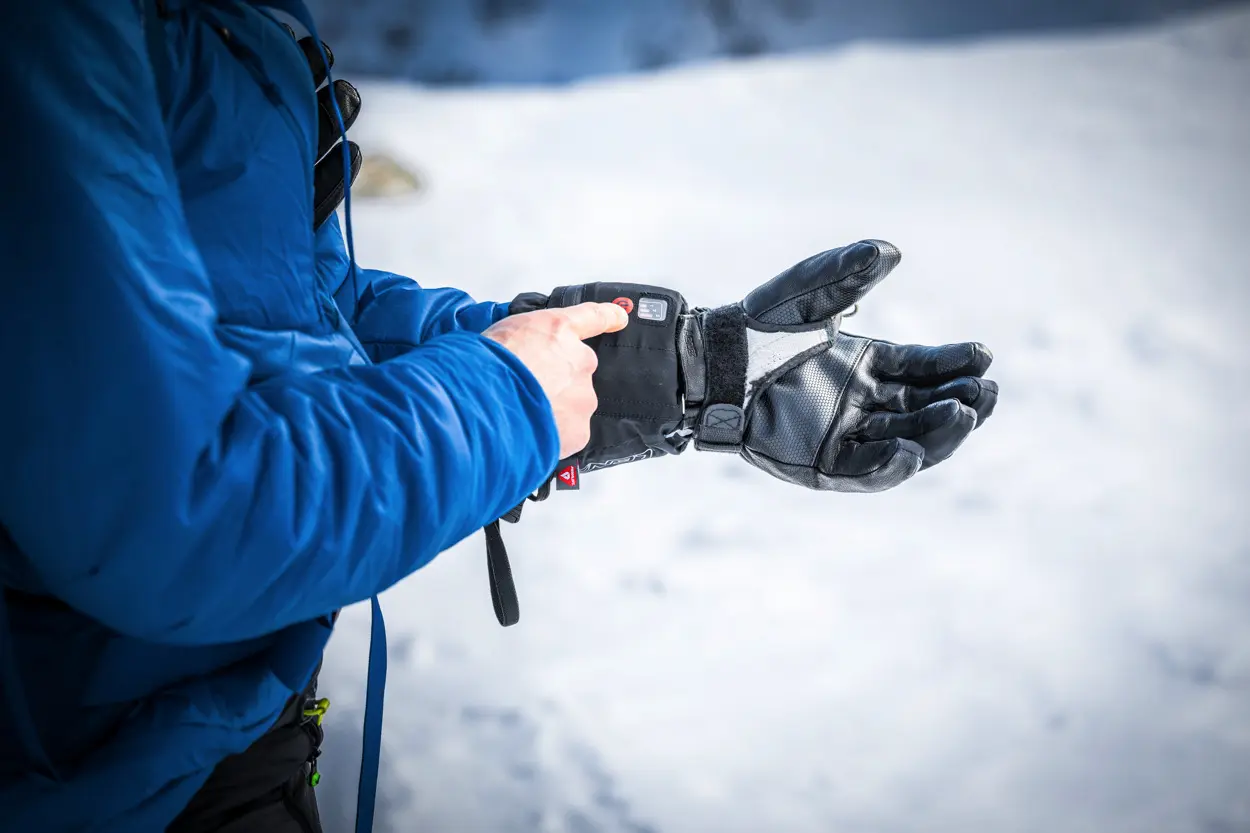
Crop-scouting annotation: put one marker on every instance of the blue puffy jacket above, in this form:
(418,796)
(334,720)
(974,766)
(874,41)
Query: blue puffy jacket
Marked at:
(197,462)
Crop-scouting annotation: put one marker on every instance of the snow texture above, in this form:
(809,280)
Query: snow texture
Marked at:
(1050,632)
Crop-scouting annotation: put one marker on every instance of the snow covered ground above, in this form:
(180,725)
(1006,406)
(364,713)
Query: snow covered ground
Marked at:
(1050,632)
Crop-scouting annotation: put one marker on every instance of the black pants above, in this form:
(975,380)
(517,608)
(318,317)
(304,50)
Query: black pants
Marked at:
(265,788)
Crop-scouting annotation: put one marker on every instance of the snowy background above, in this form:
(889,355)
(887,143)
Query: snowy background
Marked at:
(459,42)
(1051,632)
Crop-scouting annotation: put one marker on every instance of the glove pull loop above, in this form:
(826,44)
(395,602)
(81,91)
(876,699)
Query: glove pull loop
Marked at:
(502,587)
(721,428)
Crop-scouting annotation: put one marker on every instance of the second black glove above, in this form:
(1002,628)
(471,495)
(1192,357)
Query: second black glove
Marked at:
(638,381)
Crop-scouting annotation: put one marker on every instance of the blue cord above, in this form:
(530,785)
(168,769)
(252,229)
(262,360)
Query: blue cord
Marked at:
(371,745)
(375,678)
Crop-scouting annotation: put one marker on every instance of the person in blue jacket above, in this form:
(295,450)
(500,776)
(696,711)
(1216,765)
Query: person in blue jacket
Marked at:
(212,436)
(216,430)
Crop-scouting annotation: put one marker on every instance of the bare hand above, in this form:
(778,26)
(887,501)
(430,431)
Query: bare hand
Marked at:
(549,343)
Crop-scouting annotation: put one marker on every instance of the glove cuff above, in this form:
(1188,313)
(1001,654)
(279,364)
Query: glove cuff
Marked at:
(638,380)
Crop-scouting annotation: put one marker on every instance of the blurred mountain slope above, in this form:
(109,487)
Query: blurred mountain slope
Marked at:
(555,41)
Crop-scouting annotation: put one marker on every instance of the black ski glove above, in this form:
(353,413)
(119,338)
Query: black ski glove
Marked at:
(775,380)
(638,380)
(638,383)
(772,379)
(328,174)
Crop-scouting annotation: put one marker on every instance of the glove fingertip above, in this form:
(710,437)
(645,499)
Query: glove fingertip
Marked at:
(960,418)
(945,411)
(865,265)
(888,255)
(910,448)
(877,465)
(987,401)
(313,56)
(357,157)
(907,460)
(349,99)
(982,358)
(870,261)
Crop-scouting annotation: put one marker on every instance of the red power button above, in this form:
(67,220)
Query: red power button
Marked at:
(625,304)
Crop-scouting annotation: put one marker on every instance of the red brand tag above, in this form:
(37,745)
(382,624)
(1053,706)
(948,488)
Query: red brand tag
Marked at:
(566,478)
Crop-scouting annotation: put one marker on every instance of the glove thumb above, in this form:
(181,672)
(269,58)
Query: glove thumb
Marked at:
(823,286)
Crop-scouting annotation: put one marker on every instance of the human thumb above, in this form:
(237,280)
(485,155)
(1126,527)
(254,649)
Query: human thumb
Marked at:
(592,318)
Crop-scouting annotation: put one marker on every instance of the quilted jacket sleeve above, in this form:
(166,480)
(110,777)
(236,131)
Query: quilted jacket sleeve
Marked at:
(391,314)
(149,486)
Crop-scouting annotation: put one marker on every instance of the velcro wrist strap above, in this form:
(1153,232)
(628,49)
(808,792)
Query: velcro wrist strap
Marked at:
(722,420)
